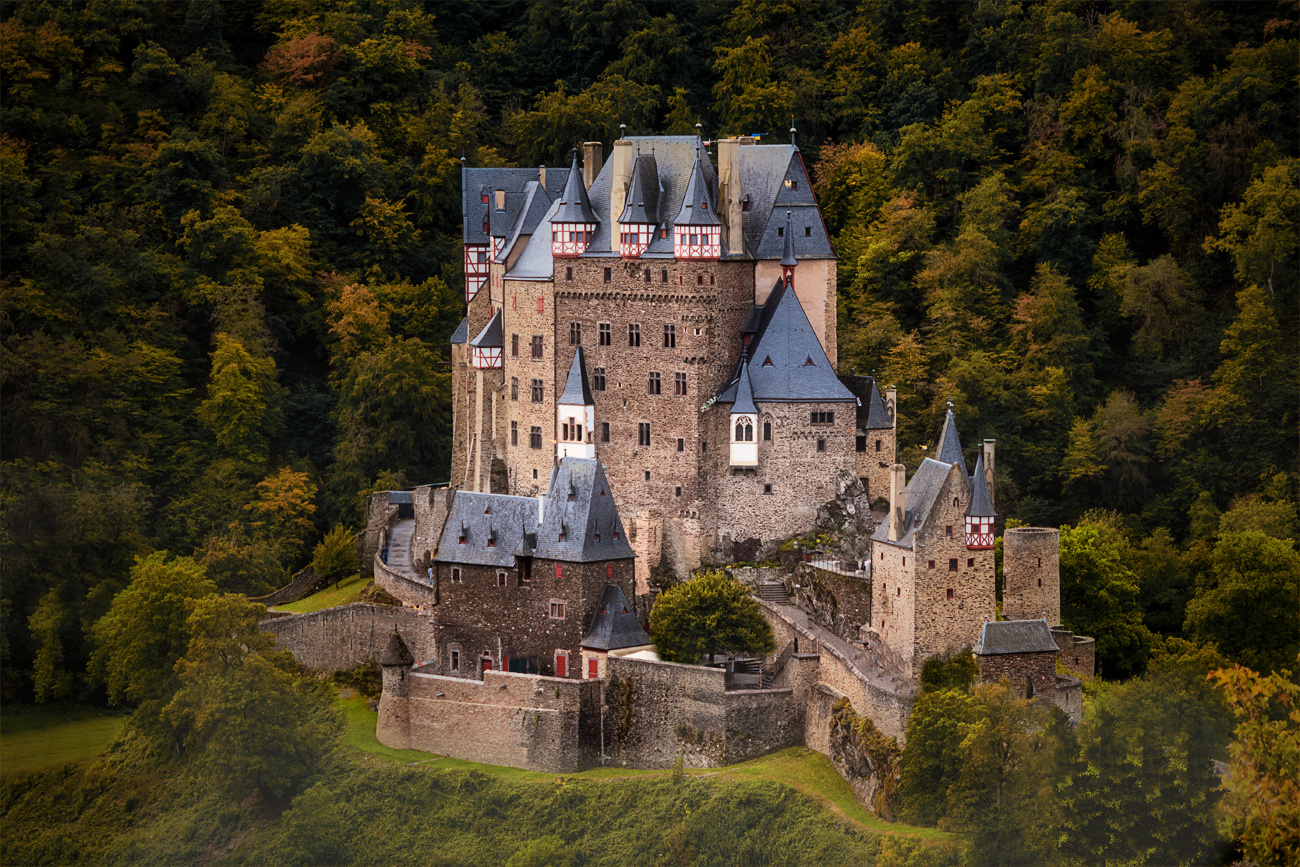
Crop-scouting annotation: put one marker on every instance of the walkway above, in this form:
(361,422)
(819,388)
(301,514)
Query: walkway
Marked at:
(864,665)
(399,546)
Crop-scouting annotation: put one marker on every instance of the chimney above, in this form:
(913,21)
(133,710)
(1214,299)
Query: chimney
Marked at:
(541,509)
(620,179)
(897,495)
(541,175)
(891,404)
(729,191)
(988,468)
(501,200)
(593,157)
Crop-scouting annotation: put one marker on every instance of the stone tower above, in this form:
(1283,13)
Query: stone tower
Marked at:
(394,727)
(1031,571)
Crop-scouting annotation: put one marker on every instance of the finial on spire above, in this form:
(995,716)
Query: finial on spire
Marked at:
(792,131)
(950,404)
(622,130)
(699,129)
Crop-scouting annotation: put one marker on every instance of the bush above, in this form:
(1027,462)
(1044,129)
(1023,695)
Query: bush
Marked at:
(336,555)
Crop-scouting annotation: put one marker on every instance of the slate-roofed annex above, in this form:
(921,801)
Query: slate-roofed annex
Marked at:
(577,389)
(486,529)
(479,182)
(786,360)
(1016,636)
(920,495)
(614,626)
(581,523)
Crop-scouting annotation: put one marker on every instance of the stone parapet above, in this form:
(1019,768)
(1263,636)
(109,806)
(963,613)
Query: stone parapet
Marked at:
(344,637)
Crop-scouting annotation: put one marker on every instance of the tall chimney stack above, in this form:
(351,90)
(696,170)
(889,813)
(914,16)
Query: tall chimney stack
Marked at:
(541,175)
(620,179)
(891,404)
(730,192)
(593,157)
(988,468)
(897,495)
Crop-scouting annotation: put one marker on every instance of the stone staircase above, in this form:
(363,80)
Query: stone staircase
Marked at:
(774,592)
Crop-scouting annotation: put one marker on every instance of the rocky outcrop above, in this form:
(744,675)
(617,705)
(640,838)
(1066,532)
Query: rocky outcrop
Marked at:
(866,758)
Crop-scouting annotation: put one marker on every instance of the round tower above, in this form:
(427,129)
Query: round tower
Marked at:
(1031,574)
(394,726)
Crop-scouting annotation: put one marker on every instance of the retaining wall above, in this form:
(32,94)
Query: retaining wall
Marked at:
(403,585)
(343,637)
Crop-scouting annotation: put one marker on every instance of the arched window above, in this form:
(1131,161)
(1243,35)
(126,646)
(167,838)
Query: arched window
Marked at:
(749,432)
(744,431)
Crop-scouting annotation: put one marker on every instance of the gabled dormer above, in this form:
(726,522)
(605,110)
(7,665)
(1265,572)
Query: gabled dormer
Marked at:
(697,231)
(485,350)
(576,413)
(573,226)
(743,422)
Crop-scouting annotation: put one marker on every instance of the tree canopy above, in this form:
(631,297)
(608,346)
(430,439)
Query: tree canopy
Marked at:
(710,614)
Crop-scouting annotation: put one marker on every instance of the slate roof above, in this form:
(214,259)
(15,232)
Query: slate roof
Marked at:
(787,250)
(744,392)
(575,206)
(396,653)
(576,390)
(483,516)
(643,194)
(476,181)
(492,334)
(764,169)
(535,206)
(580,505)
(981,504)
(1016,636)
(698,208)
(949,450)
(401,497)
(462,331)
(614,625)
(918,499)
(536,261)
(779,356)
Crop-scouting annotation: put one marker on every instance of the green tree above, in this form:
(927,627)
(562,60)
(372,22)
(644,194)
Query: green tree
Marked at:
(1099,597)
(336,555)
(1248,606)
(1260,232)
(931,761)
(146,630)
(710,614)
(243,407)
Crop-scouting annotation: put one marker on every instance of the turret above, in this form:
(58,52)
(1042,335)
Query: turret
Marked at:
(574,225)
(949,450)
(743,421)
(788,261)
(394,726)
(697,231)
(576,413)
(979,514)
(637,222)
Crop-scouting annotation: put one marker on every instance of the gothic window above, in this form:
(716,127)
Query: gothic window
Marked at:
(654,385)
(604,333)
(537,390)
(670,337)
(744,431)
(634,335)
(598,378)
(767,431)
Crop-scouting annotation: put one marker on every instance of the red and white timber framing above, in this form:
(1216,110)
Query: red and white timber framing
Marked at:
(697,242)
(485,357)
(633,238)
(570,240)
(979,533)
(476,269)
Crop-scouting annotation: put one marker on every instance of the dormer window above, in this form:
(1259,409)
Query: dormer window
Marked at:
(791,184)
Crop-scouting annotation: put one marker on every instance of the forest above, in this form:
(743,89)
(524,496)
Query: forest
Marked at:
(231,262)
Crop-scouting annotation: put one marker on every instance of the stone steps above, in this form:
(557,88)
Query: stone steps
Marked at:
(774,592)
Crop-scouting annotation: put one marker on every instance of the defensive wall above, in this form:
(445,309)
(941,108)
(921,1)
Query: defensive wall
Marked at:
(340,638)
(406,586)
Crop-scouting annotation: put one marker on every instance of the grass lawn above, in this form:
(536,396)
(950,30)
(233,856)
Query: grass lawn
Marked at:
(348,590)
(34,739)
(807,771)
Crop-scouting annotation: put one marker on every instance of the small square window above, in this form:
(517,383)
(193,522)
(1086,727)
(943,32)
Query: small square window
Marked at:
(780,233)
(821,444)
(947,531)
(952,565)
(681,444)
(568,274)
(931,564)
(807,231)
(970,563)
(767,489)
(699,279)
(557,610)
(647,475)
(677,491)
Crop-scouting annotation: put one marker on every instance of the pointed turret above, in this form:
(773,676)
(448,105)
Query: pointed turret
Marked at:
(697,231)
(636,224)
(949,450)
(576,413)
(744,419)
(574,223)
(788,261)
(980,513)
(396,653)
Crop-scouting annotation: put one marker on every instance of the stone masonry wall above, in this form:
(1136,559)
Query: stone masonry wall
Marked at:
(431,506)
(1020,670)
(841,603)
(874,463)
(943,563)
(1031,574)
(655,711)
(406,587)
(1078,652)
(814,286)
(528,468)
(516,720)
(343,637)
(893,613)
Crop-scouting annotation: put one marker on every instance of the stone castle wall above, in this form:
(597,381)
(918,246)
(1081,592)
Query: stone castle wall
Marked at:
(874,463)
(1031,574)
(528,468)
(841,603)
(1078,652)
(404,586)
(814,286)
(432,502)
(343,637)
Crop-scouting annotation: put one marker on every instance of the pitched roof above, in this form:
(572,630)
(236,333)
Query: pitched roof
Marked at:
(744,391)
(614,625)
(643,193)
(877,412)
(697,203)
(949,450)
(919,498)
(536,261)
(492,334)
(493,525)
(535,205)
(787,251)
(576,390)
(981,504)
(477,181)
(1016,636)
(396,653)
(580,507)
(786,361)
(775,179)
(461,332)
(575,206)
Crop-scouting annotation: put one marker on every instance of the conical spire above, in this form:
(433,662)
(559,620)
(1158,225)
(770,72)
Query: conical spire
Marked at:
(396,653)
(576,390)
(575,207)
(981,504)
(642,198)
(744,393)
(949,450)
(787,255)
(697,210)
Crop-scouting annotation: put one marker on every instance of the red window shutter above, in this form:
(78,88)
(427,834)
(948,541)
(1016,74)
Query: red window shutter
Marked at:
(561,665)
(593,669)
(558,572)
(539,304)
(609,568)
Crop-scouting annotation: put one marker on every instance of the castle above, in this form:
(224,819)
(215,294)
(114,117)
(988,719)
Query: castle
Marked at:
(675,321)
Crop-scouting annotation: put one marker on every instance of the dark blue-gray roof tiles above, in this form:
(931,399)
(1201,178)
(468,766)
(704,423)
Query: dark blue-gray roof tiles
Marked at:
(872,412)
(614,625)
(536,261)
(919,498)
(1015,636)
(576,390)
(476,182)
(744,392)
(786,361)
(949,450)
(580,508)
(536,204)
(643,193)
(492,335)
(788,259)
(698,207)
(492,525)
(575,205)
(981,504)
(461,334)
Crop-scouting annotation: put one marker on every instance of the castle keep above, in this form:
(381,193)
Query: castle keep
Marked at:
(674,319)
